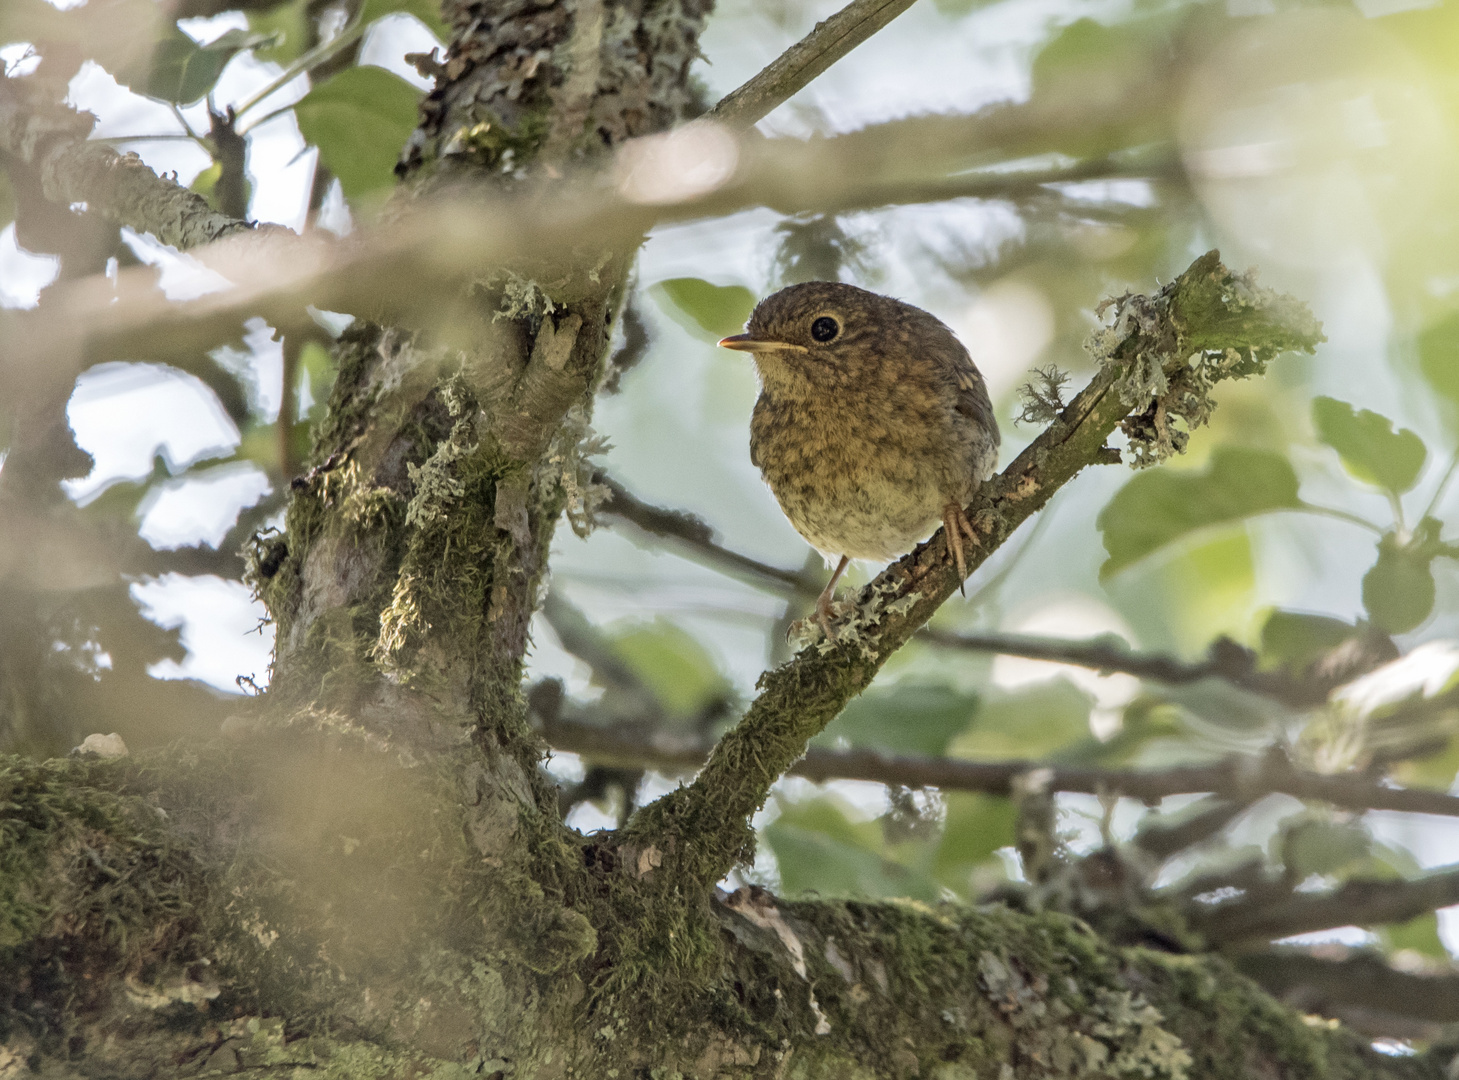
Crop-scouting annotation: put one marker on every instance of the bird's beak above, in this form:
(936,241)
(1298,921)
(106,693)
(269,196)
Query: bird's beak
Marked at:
(750,344)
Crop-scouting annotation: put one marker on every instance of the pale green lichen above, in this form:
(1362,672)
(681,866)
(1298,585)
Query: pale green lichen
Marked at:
(1043,398)
(565,473)
(854,617)
(1172,348)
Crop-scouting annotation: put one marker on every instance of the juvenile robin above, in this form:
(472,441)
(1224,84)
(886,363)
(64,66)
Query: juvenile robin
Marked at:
(873,424)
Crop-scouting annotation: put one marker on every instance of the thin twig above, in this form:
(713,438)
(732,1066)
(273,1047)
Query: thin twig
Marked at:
(695,539)
(1226,660)
(1443,486)
(1342,515)
(310,59)
(793,70)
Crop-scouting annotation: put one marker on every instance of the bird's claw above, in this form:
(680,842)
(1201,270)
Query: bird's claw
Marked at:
(957,525)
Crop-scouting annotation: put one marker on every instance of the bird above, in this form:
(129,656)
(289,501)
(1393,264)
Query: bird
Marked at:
(873,425)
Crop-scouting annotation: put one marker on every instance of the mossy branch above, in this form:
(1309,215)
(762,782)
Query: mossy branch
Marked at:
(1205,325)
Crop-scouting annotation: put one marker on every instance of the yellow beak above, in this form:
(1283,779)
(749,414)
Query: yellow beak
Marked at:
(746,343)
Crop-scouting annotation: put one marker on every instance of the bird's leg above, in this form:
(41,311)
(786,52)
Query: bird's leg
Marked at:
(956,523)
(823,602)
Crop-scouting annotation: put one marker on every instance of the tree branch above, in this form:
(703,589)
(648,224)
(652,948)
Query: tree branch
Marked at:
(794,69)
(51,139)
(404,271)
(1358,902)
(1240,779)
(695,539)
(1206,308)
(1226,660)
(1360,980)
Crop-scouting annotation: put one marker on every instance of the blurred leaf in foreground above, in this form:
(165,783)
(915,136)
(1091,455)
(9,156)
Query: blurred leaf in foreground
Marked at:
(360,119)
(1161,506)
(907,719)
(1370,449)
(706,311)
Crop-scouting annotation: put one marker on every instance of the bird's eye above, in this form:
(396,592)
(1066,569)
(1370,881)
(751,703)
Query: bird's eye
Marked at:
(825,329)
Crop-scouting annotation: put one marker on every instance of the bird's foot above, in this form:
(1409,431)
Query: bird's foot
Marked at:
(823,613)
(956,522)
(823,602)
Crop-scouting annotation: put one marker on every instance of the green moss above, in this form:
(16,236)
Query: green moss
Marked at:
(490,144)
(442,588)
(91,889)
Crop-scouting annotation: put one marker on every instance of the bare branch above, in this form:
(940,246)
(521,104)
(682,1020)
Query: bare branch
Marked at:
(794,69)
(1358,902)
(1240,780)
(405,271)
(1226,660)
(695,539)
(1356,986)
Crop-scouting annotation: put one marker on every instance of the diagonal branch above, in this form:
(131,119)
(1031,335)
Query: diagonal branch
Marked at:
(1207,310)
(793,70)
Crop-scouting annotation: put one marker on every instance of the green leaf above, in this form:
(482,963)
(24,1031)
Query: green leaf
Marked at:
(819,848)
(1438,357)
(682,674)
(427,11)
(1314,846)
(288,25)
(1161,506)
(317,366)
(180,70)
(1047,718)
(1399,590)
(976,827)
(706,311)
(1420,935)
(1294,639)
(360,119)
(1370,449)
(907,719)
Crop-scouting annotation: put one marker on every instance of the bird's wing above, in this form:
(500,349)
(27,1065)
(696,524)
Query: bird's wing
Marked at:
(971,400)
(972,392)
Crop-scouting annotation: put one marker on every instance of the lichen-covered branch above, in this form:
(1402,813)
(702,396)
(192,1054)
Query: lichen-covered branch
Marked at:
(233,949)
(50,138)
(1160,351)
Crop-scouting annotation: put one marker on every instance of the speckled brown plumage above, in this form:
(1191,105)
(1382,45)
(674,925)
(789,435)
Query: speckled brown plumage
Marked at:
(872,437)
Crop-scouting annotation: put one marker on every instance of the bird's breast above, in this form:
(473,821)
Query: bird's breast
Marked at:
(866,478)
